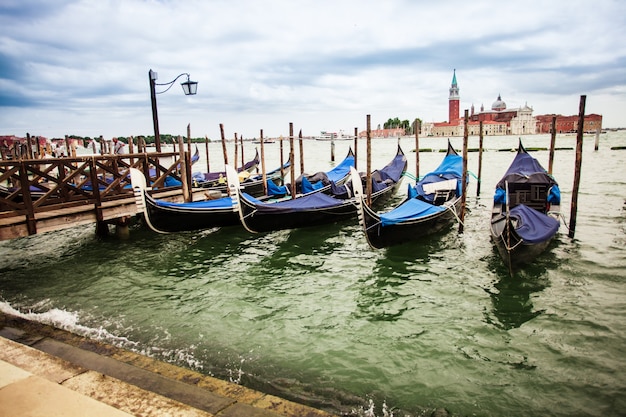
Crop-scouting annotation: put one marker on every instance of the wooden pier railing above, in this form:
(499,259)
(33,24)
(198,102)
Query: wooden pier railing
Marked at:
(41,195)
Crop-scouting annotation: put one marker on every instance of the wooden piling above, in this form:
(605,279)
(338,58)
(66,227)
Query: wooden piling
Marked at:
(29,146)
(236,152)
(579,162)
(369,162)
(301,152)
(183,169)
(552,145)
(332,148)
(206,151)
(596,146)
(282,161)
(464,176)
(243,159)
(480,159)
(189,138)
(417,153)
(224,144)
(263,171)
(67,145)
(292,158)
(356,146)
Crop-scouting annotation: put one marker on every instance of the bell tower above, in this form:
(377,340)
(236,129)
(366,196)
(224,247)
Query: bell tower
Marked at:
(453,101)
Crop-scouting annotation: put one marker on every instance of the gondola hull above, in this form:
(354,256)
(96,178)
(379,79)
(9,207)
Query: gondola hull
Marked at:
(525,214)
(256,220)
(315,208)
(433,204)
(379,236)
(168,217)
(182,219)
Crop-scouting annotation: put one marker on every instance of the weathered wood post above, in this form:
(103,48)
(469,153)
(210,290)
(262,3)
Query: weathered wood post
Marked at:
(263,171)
(464,176)
(552,145)
(183,169)
(224,144)
(597,143)
(369,162)
(29,146)
(579,162)
(243,159)
(236,152)
(292,158)
(206,148)
(332,147)
(480,159)
(356,146)
(189,138)
(282,161)
(67,145)
(301,152)
(417,153)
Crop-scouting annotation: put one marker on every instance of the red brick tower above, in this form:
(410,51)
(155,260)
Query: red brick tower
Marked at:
(453,101)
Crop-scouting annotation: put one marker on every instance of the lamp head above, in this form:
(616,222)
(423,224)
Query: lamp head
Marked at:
(189,87)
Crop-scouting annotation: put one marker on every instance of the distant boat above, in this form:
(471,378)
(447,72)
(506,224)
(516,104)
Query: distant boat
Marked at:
(526,209)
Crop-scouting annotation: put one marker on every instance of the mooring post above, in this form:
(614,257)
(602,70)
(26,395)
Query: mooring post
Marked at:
(417,152)
(356,146)
(301,152)
(369,162)
(597,144)
(552,145)
(263,171)
(579,162)
(480,159)
(236,152)
(206,148)
(224,144)
(464,176)
(183,169)
(292,158)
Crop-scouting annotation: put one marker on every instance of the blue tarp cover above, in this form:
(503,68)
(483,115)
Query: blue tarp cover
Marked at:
(450,168)
(275,190)
(340,171)
(225,202)
(409,210)
(307,202)
(308,187)
(525,169)
(533,226)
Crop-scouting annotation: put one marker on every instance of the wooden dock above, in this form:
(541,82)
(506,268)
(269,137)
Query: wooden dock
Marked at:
(44,195)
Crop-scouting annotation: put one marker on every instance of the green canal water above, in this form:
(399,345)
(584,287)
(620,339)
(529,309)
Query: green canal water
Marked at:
(316,316)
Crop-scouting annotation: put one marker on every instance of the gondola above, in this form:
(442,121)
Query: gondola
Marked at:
(251,184)
(431,205)
(218,179)
(168,217)
(526,210)
(317,208)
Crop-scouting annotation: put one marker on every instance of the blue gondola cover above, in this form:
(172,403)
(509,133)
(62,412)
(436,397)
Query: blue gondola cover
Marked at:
(409,210)
(533,226)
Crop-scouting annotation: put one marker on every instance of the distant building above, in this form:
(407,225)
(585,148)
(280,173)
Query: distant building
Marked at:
(568,124)
(502,121)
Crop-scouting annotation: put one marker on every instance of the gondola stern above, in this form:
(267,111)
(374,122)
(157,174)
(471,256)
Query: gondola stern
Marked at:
(234,190)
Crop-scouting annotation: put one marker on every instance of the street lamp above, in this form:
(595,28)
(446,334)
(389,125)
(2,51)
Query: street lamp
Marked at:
(189,88)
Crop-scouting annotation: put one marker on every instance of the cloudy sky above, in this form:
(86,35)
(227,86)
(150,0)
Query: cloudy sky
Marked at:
(81,67)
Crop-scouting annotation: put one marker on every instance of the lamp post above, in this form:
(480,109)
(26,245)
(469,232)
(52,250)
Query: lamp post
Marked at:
(189,88)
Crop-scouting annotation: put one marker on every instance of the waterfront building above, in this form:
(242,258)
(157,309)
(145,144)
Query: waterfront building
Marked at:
(501,120)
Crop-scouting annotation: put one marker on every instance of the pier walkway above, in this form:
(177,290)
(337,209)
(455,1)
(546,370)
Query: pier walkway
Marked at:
(49,372)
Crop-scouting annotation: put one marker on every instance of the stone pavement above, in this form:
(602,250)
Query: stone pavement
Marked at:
(49,372)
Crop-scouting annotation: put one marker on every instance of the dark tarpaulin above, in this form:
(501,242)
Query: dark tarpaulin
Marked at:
(533,226)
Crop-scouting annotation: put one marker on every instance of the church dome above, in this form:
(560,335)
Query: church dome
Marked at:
(498,105)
